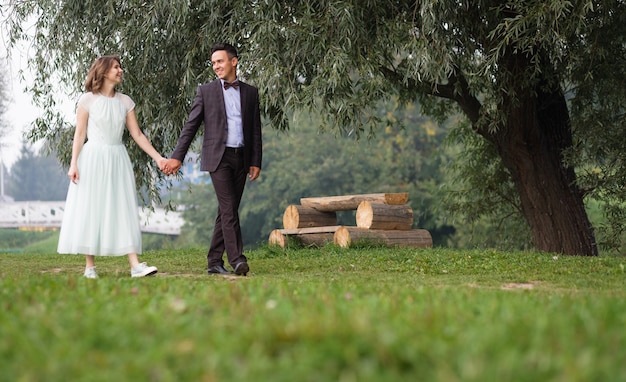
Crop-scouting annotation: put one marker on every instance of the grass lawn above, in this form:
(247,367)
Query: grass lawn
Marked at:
(330,314)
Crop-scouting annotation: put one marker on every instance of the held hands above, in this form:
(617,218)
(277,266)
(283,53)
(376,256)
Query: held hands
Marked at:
(169,166)
(161,163)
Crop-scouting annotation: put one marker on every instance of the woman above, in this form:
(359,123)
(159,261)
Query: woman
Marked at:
(101,216)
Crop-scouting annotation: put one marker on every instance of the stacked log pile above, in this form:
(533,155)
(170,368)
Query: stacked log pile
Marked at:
(380,219)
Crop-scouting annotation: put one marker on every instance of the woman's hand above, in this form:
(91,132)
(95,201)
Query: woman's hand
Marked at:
(73,174)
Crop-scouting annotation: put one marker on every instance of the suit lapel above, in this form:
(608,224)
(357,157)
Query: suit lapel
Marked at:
(243,98)
(216,89)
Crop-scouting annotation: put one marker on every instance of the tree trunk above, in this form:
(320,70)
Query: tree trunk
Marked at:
(531,147)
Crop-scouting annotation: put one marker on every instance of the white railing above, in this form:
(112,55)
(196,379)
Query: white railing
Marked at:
(34,215)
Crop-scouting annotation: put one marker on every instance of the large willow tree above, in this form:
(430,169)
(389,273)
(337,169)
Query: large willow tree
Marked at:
(541,82)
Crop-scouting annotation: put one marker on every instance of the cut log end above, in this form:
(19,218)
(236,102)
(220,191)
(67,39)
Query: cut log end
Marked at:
(382,216)
(342,237)
(296,216)
(277,239)
(397,198)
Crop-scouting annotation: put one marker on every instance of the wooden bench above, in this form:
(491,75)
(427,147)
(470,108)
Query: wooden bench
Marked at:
(383,218)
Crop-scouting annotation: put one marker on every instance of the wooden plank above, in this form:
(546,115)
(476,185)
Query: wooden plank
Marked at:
(302,231)
(351,202)
(419,238)
(305,236)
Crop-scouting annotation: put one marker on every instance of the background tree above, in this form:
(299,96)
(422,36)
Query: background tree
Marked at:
(506,65)
(307,163)
(36,177)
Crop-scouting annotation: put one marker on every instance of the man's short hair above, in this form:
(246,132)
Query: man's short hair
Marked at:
(230,50)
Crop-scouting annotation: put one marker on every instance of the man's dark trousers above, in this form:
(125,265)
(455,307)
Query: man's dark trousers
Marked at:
(229,180)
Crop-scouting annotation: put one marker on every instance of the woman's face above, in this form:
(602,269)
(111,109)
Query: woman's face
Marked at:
(114,74)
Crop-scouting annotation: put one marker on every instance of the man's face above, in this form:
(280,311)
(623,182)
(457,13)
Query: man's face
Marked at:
(224,67)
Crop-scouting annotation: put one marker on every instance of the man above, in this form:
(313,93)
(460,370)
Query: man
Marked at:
(231,149)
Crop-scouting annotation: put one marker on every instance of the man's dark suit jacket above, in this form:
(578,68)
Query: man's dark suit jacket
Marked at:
(208,108)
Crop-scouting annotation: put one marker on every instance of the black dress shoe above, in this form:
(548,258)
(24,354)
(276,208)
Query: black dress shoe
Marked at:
(242,269)
(218,270)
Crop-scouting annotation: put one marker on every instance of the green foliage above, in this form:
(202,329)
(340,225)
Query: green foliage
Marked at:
(153,242)
(405,156)
(13,240)
(316,315)
(36,177)
(18,240)
(597,108)
(480,197)
(340,58)
(200,211)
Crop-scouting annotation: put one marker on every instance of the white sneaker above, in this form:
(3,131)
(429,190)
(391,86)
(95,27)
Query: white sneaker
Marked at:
(142,269)
(90,273)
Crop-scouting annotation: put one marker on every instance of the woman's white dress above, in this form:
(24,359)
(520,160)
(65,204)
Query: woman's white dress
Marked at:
(101,216)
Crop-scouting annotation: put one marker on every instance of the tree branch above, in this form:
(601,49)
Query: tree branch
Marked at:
(456,90)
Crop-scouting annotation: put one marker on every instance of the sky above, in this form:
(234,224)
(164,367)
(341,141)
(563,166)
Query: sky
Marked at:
(21,111)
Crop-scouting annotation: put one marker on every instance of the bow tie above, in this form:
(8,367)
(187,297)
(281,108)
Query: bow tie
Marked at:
(234,84)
